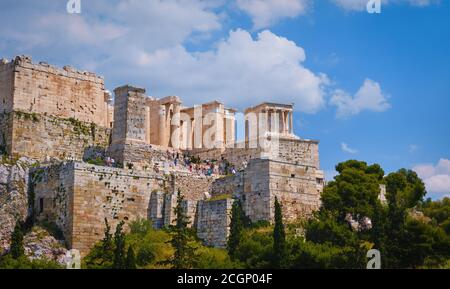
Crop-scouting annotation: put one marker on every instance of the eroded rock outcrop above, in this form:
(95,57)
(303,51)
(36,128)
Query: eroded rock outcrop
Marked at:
(14,177)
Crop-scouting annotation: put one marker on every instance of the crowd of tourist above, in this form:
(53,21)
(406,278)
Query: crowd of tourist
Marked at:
(201,167)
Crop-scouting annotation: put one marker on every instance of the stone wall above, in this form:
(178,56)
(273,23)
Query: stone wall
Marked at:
(78,197)
(6,86)
(44,89)
(53,189)
(5,132)
(300,152)
(38,136)
(214,221)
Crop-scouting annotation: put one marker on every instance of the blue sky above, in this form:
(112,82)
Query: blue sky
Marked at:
(374,87)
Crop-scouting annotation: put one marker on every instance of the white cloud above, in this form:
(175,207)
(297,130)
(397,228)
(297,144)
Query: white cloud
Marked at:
(143,42)
(436,177)
(347,149)
(265,13)
(369,97)
(360,5)
(242,71)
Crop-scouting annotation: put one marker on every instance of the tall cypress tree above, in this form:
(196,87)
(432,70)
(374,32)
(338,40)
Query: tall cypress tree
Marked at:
(236,228)
(119,252)
(17,250)
(184,256)
(131,259)
(279,237)
(107,244)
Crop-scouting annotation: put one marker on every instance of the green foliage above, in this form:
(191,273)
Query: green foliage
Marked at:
(182,239)
(255,250)
(145,256)
(119,261)
(8,262)
(101,256)
(279,237)
(238,222)
(141,227)
(131,259)
(52,228)
(354,191)
(310,255)
(214,258)
(98,161)
(17,250)
(439,212)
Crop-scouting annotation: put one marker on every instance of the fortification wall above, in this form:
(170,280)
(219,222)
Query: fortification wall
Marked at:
(115,194)
(214,220)
(6,86)
(53,188)
(299,152)
(5,132)
(78,197)
(38,136)
(66,93)
(297,188)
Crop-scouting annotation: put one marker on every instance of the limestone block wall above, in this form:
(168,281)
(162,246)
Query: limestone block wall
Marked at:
(296,187)
(66,93)
(6,86)
(300,152)
(5,132)
(257,195)
(157,208)
(115,194)
(142,156)
(228,185)
(53,188)
(38,136)
(213,224)
(78,197)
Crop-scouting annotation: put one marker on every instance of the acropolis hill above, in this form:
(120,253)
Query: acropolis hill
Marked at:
(149,149)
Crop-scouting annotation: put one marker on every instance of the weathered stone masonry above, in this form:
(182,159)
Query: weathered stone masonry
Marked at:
(48,112)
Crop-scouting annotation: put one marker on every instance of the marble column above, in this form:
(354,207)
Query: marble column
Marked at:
(291,123)
(175,126)
(162,124)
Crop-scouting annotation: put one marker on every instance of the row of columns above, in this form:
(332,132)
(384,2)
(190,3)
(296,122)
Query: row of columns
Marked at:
(285,120)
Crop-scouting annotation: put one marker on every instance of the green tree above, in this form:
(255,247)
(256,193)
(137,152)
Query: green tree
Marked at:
(17,250)
(410,239)
(237,226)
(351,197)
(131,259)
(279,237)
(102,255)
(182,241)
(119,252)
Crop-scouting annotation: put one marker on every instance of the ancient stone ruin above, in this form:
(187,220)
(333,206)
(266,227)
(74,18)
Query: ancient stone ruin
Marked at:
(126,159)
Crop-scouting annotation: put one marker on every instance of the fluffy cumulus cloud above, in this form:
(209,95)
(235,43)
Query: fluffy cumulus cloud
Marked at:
(143,42)
(436,177)
(369,97)
(360,5)
(265,13)
(242,71)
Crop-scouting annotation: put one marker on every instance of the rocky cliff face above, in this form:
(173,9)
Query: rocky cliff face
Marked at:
(14,176)
(40,244)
